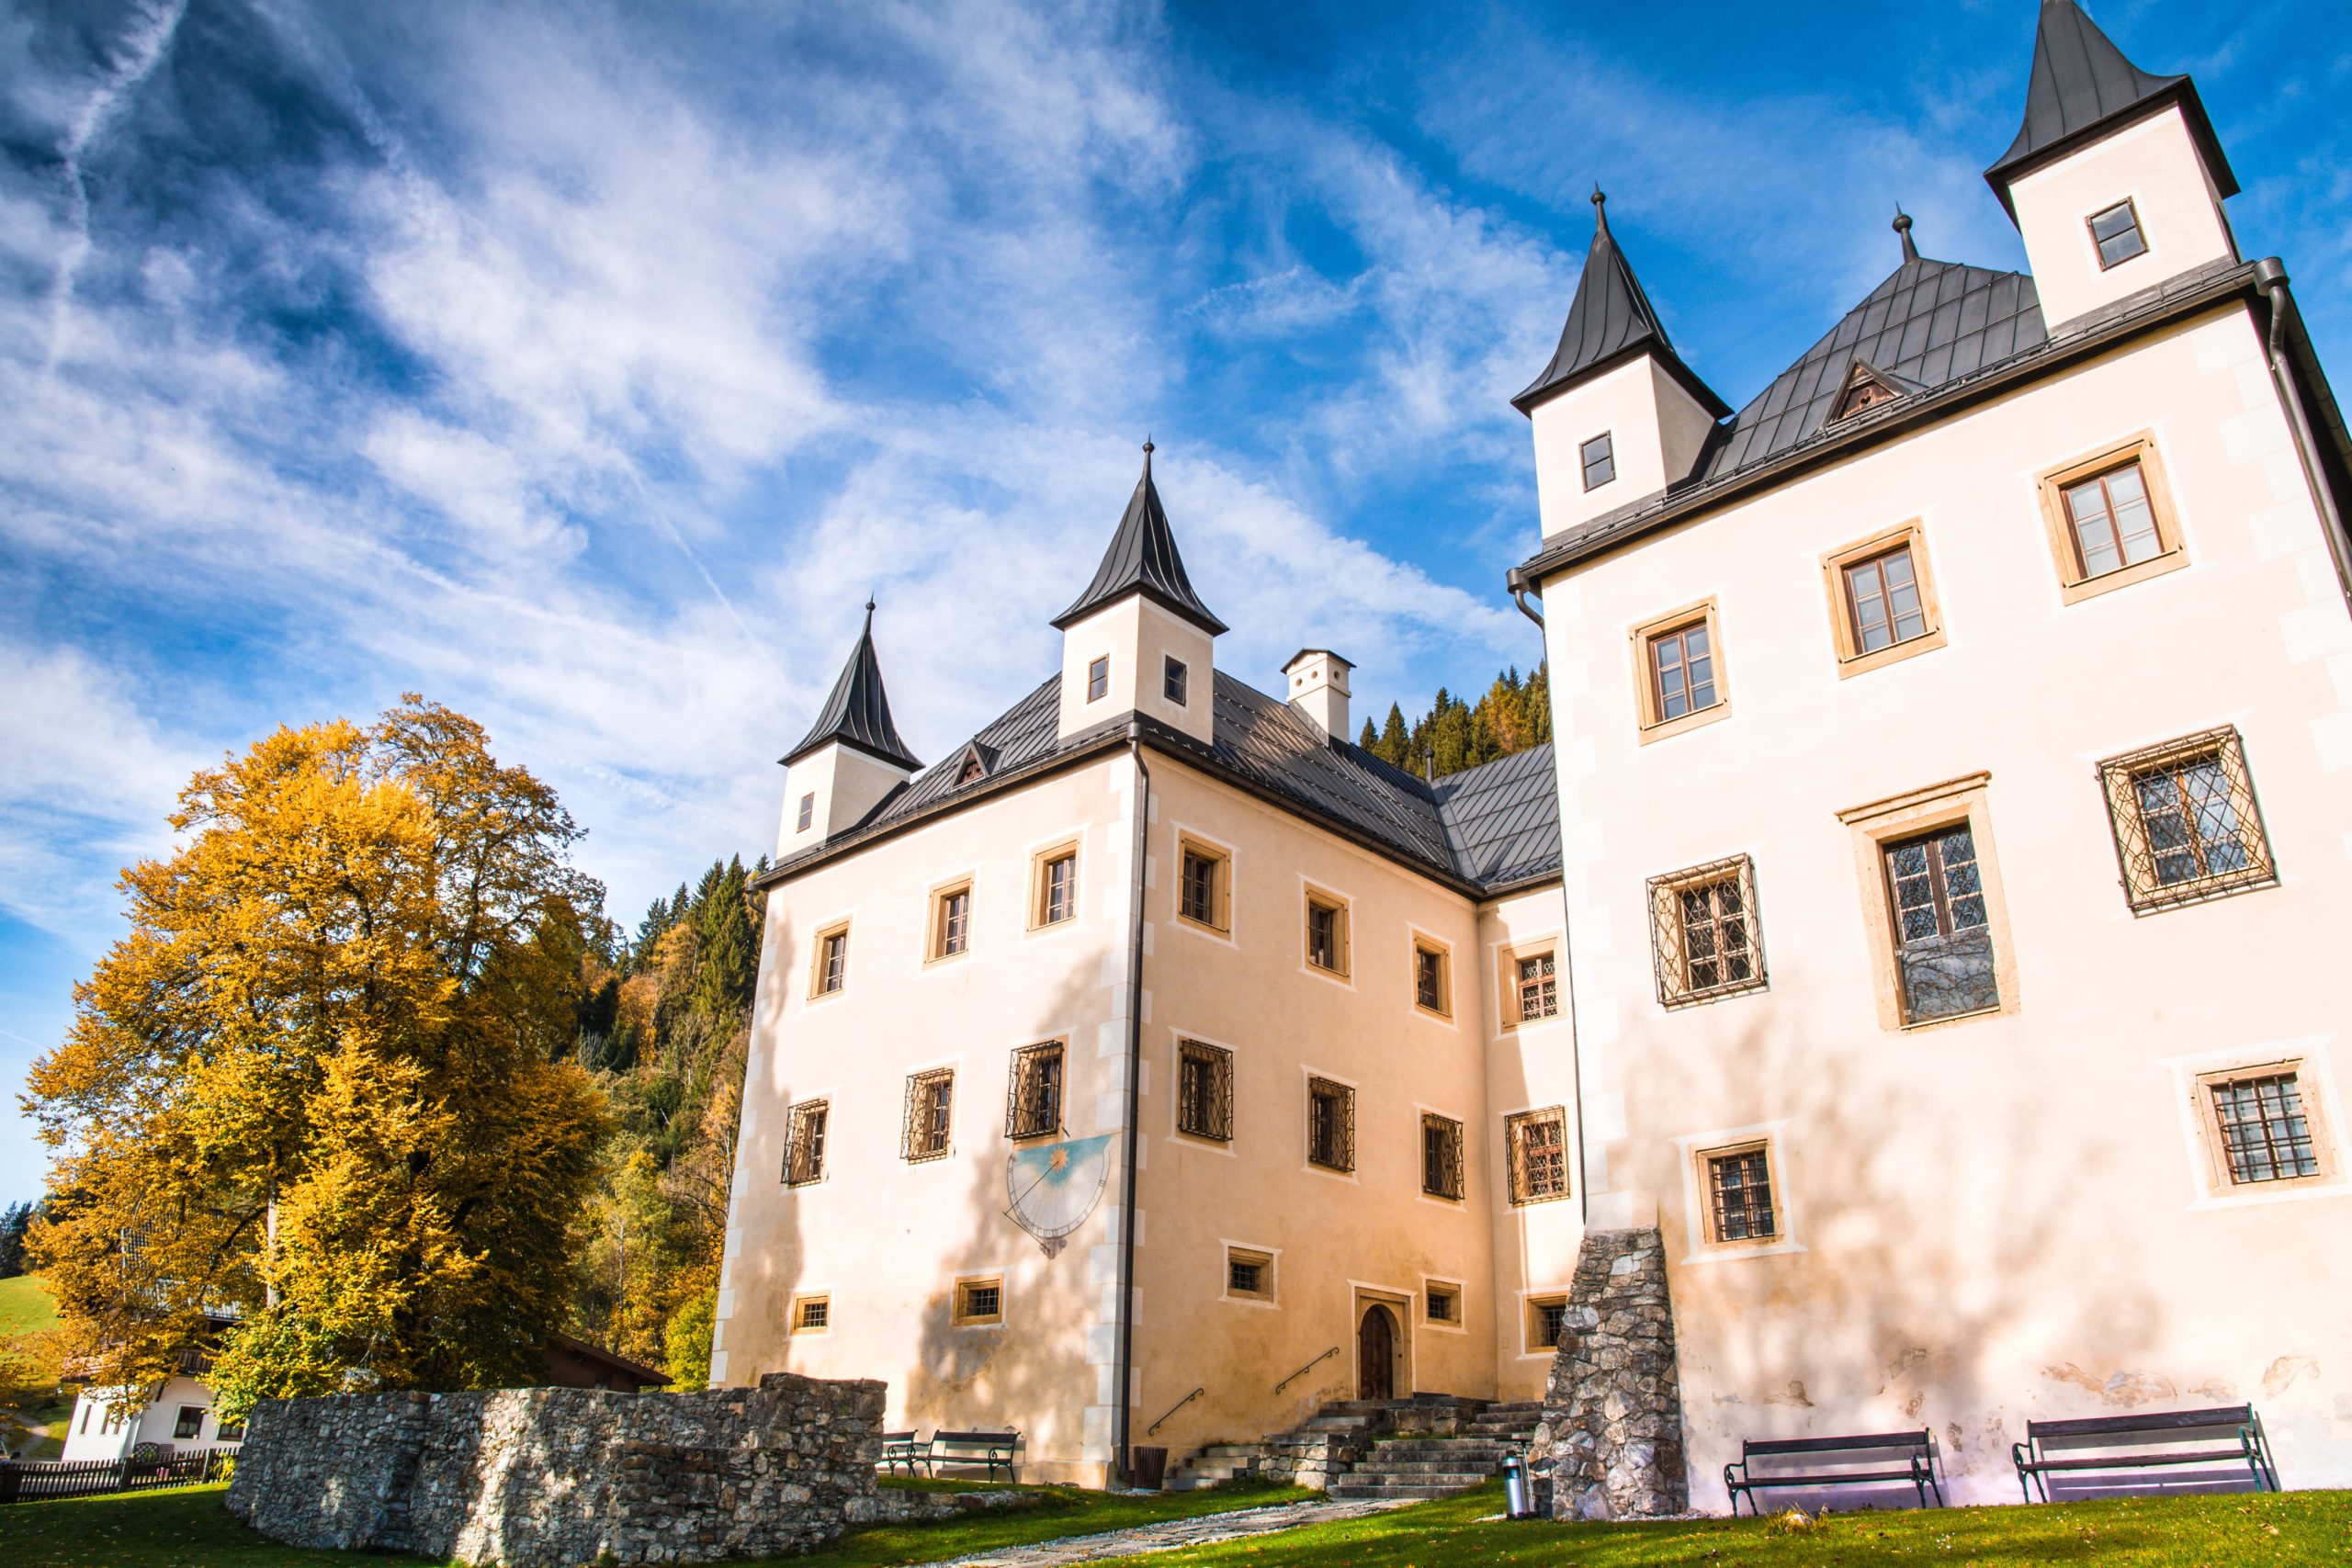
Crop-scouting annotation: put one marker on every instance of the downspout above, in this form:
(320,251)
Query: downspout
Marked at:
(1516,581)
(1122,1415)
(2274,284)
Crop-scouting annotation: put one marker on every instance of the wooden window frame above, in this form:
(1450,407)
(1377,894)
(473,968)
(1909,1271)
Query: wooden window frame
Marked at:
(1507,958)
(799,1171)
(1041,868)
(1845,634)
(1175,681)
(1058,1052)
(1268,1282)
(959,1307)
(1313,899)
(2098,252)
(807,815)
(1522,1192)
(1452,1291)
(1098,678)
(1607,442)
(914,1129)
(936,950)
(799,1325)
(2134,857)
(1344,1163)
(2065,552)
(1453,1182)
(1218,1060)
(1703,1163)
(1651,723)
(1881,823)
(1191,847)
(1429,947)
(819,965)
(1534,1307)
(2213,1146)
(183,1429)
(1670,956)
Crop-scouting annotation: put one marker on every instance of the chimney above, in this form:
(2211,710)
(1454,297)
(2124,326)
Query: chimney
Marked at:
(1318,688)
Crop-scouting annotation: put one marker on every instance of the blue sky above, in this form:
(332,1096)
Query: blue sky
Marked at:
(584,365)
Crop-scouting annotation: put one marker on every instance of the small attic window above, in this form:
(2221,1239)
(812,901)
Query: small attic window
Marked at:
(1863,390)
(1599,457)
(2116,232)
(971,771)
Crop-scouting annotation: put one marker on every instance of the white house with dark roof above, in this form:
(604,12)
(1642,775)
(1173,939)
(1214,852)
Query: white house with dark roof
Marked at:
(1952,744)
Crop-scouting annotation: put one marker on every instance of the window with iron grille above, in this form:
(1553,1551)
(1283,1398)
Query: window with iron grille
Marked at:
(1326,935)
(1248,1273)
(1739,1196)
(1682,671)
(980,1300)
(2112,520)
(1176,681)
(931,1114)
(1033,1096)
(1538,1145)
(1943,944)
(1882,597)
(1547,1322)
(1098,680)
(1705,939)
(812,1313)
(2187,824)
(1536,981)
(1433,987)
(804,1147)
(1330,1124)
(1441,1155)
(1598,458)
(2266,1134)
(1443,1304)
(808,812)
(1205,1090)
(2116,232)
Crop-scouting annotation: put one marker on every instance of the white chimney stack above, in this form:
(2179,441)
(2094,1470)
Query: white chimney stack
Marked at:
(1318,688)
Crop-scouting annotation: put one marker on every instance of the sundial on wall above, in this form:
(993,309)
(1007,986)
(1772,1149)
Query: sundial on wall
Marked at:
(1051,1187)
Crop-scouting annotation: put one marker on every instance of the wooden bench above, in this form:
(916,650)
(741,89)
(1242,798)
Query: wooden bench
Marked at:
(905,1447)
(997,1451)
(1818,1463)
(2230,1435)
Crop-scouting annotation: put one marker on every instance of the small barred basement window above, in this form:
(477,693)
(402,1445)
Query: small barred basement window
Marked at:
(1330,1124)
(1248,1273)
(979,1301)
(812,1315)
(1442,1303)
(1547,1322)
(2266,1134)
(1537,1141)
(1739,1195)
(1033,1094)
(804,1149)
(1205,1090)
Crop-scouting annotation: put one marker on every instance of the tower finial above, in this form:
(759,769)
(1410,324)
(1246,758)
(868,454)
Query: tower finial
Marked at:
(1903,228)
(1148,449)
(1600,208)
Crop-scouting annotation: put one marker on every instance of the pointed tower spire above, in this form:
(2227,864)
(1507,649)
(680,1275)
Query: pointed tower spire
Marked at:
(1610,319)
(2082,86)
(1143,560)
(858,712)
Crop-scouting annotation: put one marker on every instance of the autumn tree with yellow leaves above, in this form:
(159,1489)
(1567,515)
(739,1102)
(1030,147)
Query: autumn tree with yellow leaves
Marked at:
(328,1079)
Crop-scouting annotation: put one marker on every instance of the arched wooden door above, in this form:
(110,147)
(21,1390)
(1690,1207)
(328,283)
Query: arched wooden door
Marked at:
(1376,1354)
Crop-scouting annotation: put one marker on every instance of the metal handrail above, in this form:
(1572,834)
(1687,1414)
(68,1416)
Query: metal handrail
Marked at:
(1180,1405)
(1306,1369)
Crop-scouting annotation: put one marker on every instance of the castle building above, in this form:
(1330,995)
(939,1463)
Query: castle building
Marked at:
(1951,746)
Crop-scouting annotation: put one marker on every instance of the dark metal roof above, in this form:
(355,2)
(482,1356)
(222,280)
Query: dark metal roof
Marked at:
(858,713)
(1610,319)
(1490,827)
(2081,86)
(1929,323)
(1143,560)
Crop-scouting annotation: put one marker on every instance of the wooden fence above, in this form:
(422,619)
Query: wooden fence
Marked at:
(88,1477)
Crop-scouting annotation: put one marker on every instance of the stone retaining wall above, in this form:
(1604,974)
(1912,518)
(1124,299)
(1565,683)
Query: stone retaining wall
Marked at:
(1612,1412)
(554,1477)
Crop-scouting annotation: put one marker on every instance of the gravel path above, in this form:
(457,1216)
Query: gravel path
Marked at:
(1164,1537)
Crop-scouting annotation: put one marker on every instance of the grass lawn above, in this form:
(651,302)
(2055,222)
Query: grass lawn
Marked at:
(189,1528)
(25,1307)
(2173,1532)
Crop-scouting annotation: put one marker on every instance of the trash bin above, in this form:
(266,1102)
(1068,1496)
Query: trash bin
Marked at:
(1148,1468)
(1519,1496)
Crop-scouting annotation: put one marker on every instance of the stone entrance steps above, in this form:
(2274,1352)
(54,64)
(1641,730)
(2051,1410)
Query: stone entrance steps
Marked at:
(1401,1450)
(1421,1466)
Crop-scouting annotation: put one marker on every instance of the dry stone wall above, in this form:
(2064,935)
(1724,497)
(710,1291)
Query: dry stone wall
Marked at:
(1611,1432)
(554,1477)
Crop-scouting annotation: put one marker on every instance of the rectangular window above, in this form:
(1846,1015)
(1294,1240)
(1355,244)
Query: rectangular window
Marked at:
(1883,596)
(228,1432)
(189,1423)
(1882,600)
(930,1115)
(2112,520)
(1248,1273)
(1705,940)
(1598,458)
(2116,232)
(1537,1141)
(1033,1094)
(804,1148)
(808,812)
(1535,986)
(1098,680)
(1326,933)
(1175,681)
(1432,978)
(1442,1303)
(951,921)
(828,967)
(1943,944)
(1547,1322)
(1739,1196)
(1205,1090)
(1682,671)
(1441,1155)
(812,1315)
(1053,885)
(979,1301)
(2187,824)
(1330,1124)
(2265,1136)
(1203,895)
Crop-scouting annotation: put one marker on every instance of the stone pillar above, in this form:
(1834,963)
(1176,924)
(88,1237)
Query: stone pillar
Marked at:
(1612,1411)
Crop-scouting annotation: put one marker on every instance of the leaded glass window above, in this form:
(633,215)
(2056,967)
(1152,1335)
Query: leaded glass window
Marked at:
(1943,942)
(2265,1134)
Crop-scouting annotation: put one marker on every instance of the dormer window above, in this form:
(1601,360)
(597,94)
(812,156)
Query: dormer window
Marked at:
(1098,680)
(1176,681)
(1863,390)
(971,772)
(2116,232)
(1599,458)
